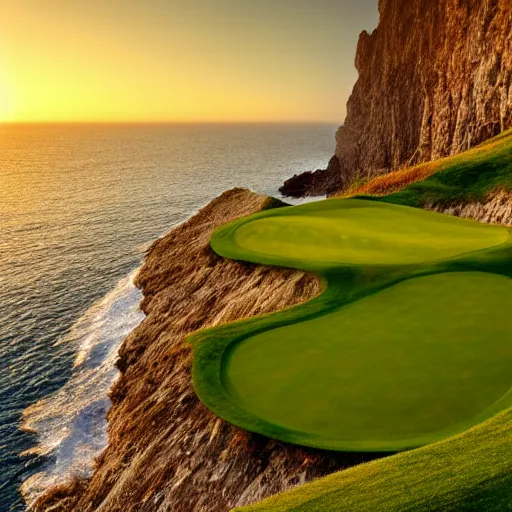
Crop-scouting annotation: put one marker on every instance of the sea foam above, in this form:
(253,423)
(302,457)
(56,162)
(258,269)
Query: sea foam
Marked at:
(71,424)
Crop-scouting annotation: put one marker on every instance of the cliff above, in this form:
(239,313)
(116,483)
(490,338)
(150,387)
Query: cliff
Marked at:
(435,78)
(166,450)
(496,210)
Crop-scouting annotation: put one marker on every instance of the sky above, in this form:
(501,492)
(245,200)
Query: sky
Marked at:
(179,60)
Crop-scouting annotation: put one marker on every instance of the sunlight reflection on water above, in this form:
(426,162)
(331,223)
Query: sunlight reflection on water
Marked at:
(79,204)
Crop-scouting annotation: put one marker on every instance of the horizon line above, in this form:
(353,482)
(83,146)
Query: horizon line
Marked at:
(106,122)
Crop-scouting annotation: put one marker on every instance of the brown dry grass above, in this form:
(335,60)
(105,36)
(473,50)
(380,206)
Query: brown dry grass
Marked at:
(395,181)
(398,180)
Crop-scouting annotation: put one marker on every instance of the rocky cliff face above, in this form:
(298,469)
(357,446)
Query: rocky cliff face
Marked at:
(166,450)
(497,209)
(314,183)
(435,78)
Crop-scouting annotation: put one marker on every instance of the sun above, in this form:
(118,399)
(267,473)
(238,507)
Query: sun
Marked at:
(6,108)
(6,102)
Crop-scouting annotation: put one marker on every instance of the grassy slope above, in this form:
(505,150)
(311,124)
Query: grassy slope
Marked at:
(468,472)
(347,283)
(463,178)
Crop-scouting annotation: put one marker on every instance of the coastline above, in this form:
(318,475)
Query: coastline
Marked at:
(166,450)
(71,424)
(70,246)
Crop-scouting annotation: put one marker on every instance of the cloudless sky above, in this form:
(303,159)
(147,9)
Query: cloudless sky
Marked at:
(179,60)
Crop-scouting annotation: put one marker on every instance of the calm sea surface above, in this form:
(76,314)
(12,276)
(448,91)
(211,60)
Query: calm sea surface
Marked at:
(78,206)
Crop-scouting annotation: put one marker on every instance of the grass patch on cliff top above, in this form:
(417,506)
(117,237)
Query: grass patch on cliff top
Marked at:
(380,374)
(341,372)
(468,177)
(471,471)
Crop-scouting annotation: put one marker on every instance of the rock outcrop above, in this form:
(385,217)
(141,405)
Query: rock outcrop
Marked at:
(496,209)
(435,78)
(166,450)
(314,183)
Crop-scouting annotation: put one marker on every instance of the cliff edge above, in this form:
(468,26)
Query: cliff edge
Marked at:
(166,450)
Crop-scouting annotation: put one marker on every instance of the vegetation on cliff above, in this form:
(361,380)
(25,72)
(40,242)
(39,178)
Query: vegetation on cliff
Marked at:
(302,376)
(471,177)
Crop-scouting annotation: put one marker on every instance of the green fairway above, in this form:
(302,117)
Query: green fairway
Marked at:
(471,472)
(401,367)
(373,234)
(409,343)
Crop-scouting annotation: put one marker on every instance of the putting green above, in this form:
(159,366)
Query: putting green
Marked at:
(363,236)
(410,342)
(402,364)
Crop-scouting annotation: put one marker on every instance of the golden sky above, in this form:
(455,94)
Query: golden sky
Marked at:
(179,60)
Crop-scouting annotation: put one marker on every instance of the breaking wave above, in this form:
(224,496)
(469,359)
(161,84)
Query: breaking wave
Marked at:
(71,424)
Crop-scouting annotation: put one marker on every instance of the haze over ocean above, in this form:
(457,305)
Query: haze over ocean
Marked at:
(78,206)
(169,60)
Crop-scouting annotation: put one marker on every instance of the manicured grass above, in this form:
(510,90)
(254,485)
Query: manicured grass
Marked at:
(471,472)
(358,232)
(404,347)
(399,368)
(451,309)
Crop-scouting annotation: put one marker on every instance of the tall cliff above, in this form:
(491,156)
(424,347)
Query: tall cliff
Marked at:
(435,78)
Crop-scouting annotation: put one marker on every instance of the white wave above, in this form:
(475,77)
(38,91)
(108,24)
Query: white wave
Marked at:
(71,424)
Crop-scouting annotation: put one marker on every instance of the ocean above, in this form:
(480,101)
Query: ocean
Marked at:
(79,205)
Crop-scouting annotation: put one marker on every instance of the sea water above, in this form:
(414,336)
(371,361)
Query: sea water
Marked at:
(79,204)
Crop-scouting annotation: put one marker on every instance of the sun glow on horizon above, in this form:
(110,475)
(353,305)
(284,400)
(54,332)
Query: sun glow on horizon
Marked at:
(7,110)
(169,61)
